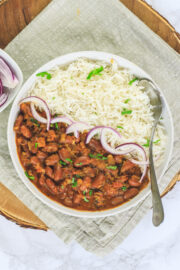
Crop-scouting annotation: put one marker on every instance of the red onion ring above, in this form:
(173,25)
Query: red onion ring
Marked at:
(93,132)
(7,75)
(36,115)
(43,104)
(61,119)
(137,147)
(1,87)
(77,126)
(3,98)
(140,149)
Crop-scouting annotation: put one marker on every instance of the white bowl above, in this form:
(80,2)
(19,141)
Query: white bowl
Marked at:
(63,60)
(17,71)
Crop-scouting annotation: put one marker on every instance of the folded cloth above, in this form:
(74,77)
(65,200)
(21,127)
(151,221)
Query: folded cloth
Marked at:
(67,26)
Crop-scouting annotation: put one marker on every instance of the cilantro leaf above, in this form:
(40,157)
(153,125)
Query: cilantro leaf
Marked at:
(133,80)
(95,72)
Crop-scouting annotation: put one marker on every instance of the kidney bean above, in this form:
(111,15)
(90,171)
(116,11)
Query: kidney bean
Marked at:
(86,183)
(99,181)
(51,137)
(18,122)
(50,148)
(58,172)
(118,159)
(110,160)
(37,164)
(65,155)
(31,147)
(68,139)
(123,178)
(52,160)
(130,193)
(117,184)
(41,155)
(82,161)
(134,181)
(49,172)
(68,201)
(25,108)
(52,187)
(41,142)
(99,199)
(26,131)
(96,145)
(117,200)
(42,180)
(110,191)
(89,171)
(77,198)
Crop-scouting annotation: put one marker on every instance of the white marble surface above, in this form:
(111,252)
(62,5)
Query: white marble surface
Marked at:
(146,247)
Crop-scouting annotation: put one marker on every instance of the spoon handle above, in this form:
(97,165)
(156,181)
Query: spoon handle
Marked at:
(158,212)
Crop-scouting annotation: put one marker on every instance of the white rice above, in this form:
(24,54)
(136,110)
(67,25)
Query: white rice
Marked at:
(100,101)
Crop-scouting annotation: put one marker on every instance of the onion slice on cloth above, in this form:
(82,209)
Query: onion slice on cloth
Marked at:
(43,104)
(7,76)
(3,98)
(77,126)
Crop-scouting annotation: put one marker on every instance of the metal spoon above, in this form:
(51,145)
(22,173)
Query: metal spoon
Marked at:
(155,100)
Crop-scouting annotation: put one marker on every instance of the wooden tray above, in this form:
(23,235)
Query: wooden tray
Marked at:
(14,16)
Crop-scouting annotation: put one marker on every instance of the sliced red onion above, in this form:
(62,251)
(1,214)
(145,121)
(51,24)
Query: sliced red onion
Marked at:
(93,132)
(36,115)
(107,147)
(7,75)
(77,126)
(3,98)
(137,147)
(141,150)
(1,87)
(43,104)
(62,119)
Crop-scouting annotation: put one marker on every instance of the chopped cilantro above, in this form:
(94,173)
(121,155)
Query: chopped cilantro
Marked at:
(80,163)
(127,100)
(146,144)
(70,160)
(62,162)
(84,192)
(111,167)
(36,145)
(133,80)
(156,141)
(74,182)
(126,111)
(124,188)
(98,156)
(56,126)
(42,74)
(90,192)
(94,72)
(34,121)
(85,199)
(29,176)
(120,127)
